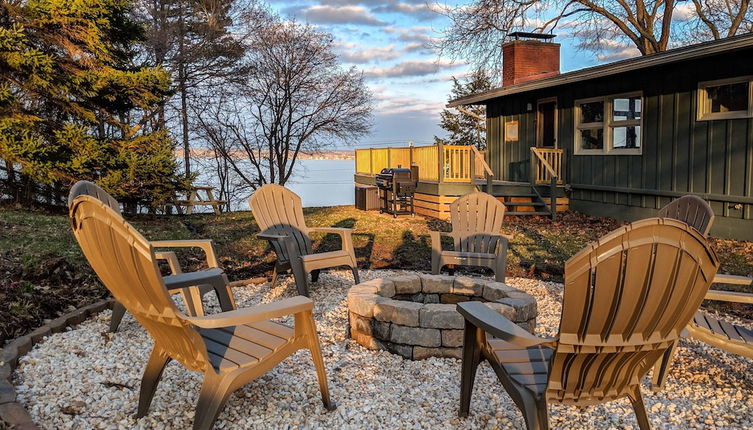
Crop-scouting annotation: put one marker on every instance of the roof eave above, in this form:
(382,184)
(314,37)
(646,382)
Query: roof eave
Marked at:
(667,57)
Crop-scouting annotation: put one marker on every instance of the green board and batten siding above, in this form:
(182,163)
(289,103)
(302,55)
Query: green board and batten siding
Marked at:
(680,154)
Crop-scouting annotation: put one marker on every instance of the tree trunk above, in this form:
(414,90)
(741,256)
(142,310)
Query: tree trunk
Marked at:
(182,89)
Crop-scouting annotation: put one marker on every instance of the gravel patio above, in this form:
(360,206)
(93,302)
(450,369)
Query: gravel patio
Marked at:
(88,378)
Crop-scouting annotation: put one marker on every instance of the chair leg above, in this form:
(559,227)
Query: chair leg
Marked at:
(306,321)
(356,278)
(301,278)
(471,359)
(661,368)
(214,392)
(224,295)
(501,263)
(152,374)
(535,413)
(275,273)
(118,311)
(194,305)
(315,275)
(640,409)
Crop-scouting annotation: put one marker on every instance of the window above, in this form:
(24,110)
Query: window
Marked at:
(609,125)
(726,99)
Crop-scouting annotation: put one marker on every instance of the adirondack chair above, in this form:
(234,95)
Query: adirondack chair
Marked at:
(627,297)
(692,210)
(279,214)
(191,286)
(230,348)
(476,222)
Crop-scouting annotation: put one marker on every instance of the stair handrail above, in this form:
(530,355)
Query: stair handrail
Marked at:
(480,157)
(543,161)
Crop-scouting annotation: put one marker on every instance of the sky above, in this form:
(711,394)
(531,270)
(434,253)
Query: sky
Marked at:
(389,41)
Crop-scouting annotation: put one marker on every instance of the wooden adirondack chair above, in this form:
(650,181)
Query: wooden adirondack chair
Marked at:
(691,210)
(191,286)
(230,349)
(279,214)
(627,297)
(476,223)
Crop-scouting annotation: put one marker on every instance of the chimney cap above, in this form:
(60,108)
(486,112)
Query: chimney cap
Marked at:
(522,34)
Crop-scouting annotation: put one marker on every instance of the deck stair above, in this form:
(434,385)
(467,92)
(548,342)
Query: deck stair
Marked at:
(526,199)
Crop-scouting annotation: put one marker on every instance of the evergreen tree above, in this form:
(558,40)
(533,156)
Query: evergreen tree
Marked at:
(74,106)
(462,128)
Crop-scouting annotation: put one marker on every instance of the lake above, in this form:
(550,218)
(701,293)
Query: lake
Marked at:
(318,182)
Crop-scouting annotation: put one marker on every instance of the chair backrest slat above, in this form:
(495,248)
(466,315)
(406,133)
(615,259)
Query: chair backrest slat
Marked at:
(474,217)
(692,210)
(627,298)
(278,210)
(125,263)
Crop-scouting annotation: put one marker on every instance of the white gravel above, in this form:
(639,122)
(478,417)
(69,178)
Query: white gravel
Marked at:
(72,380)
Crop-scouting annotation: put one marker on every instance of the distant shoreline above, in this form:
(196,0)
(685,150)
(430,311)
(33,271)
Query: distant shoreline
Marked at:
(336,154)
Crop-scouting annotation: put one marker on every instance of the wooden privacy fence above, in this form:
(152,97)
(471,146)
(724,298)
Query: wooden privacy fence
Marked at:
(442,163)
(546,164)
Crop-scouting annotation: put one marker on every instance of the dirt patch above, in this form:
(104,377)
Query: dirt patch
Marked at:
(31,295)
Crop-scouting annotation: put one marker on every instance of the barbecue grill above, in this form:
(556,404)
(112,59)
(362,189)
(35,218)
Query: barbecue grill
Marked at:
(396,188)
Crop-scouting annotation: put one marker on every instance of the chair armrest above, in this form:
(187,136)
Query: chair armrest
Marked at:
(346,235)
(270,236)
(254,314)
(207,245)
(336,230)
(500,327)
(172,261)
(729,296)
(436,239)
(732,279)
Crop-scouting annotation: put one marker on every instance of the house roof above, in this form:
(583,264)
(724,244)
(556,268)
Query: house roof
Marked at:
(667,57)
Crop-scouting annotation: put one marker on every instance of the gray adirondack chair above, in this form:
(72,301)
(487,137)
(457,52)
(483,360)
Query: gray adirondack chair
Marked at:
(279,214)
(692,210)
(476,223)
(705,327)
(191,286)
(626,300)
(230,349)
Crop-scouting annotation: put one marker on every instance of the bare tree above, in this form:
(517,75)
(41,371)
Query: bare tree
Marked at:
(294,97)
(192,39)
(478,30)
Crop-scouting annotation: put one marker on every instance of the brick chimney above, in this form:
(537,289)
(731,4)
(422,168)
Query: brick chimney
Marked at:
(528,57)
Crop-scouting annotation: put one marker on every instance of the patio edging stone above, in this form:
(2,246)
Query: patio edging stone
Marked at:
(12,413)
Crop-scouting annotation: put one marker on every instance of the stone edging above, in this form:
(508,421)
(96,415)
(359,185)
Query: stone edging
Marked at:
(415,315)
(12,414)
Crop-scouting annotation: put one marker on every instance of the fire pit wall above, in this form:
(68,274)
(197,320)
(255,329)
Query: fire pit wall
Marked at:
(415,316)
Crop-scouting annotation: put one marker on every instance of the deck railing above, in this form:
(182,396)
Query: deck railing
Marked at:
(546,164)
(441,163)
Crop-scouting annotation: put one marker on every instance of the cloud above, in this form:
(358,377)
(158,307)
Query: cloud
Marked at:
(419,34)
(410,68)
(359,54)
(392,105)
(613,50)
(422,11)
(328,14)
(684,12)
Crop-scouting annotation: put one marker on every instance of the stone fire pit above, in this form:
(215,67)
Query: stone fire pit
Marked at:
(415,316)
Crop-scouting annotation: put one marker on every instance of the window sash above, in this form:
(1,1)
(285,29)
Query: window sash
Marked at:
(703,110)
(608,126)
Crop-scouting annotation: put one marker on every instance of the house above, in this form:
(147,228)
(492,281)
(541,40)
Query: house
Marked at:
(623,139)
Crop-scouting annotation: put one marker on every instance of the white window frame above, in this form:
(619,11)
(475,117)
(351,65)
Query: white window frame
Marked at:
(608,125)
(702,109)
